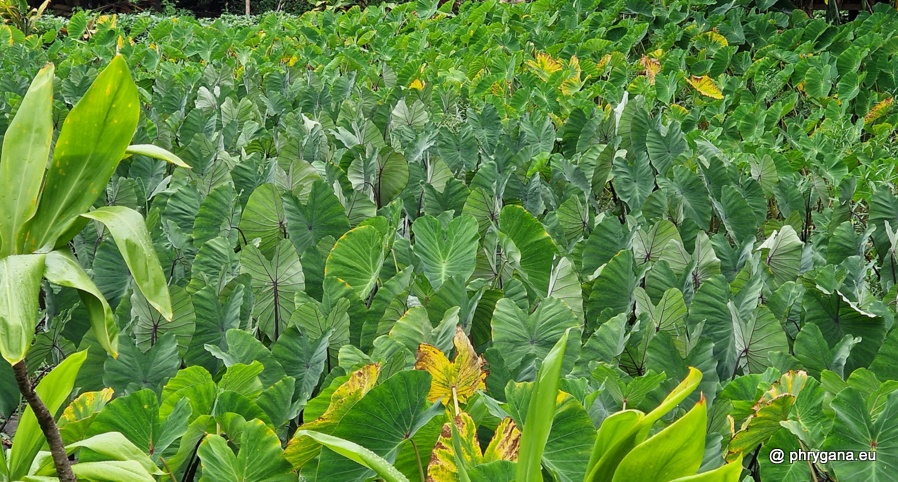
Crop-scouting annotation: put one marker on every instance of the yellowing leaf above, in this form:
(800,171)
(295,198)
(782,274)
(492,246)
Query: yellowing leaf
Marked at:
(443,466)
(300,450)
(544,65)
(715,38)
(772,408)
(705,86)
(505,442)
(572,83)
(679,109)
(104,19)
(651,66)
(416,84)
(77,417)
(878,110)
(463,377)
(603,62)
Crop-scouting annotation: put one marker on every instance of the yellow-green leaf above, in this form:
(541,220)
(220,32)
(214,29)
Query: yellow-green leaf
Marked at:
(676,451)
(62,269)
(462,377)
(77,417)
(505,442)
(706,86)
(90,145)
(300,450)
(444,459)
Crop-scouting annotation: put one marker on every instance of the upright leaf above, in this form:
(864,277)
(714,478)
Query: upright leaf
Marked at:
(446,252)
(90,145)
(23,160)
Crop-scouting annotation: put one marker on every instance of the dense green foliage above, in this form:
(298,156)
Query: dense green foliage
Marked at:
(672,185)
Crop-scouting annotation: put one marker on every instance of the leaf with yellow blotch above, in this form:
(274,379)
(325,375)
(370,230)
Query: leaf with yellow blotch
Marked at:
(878,110)
(300,450)
(416,84)
(714,38)
(706,86)
(464,376)
(652,68)
(544,65)
(572,83)
(505,442)
(772,408)
(77,417)
(444,460)
(443,465)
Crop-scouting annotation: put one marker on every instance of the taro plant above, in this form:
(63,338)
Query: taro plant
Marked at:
(44,205)
(20,14)
(622,450)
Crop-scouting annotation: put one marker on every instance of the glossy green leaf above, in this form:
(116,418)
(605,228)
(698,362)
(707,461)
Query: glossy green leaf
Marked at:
(26,147)
(356,453)
(155,152)
(90,145)
(130,233)
(674,452)
(63,269)
(20,282)
(540,413)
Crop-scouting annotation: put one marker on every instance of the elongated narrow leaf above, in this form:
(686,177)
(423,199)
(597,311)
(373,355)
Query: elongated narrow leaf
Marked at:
(93,140)
(63,269)
(540,414)
(53,390)
(134,242)
(20,283)
(155,152)
(356,453)
(23,160)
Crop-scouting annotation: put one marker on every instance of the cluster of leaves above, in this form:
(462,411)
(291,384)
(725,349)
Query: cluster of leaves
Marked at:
(679,184)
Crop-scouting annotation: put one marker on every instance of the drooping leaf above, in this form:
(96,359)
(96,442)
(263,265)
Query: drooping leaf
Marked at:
(129,231)
(20,281)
